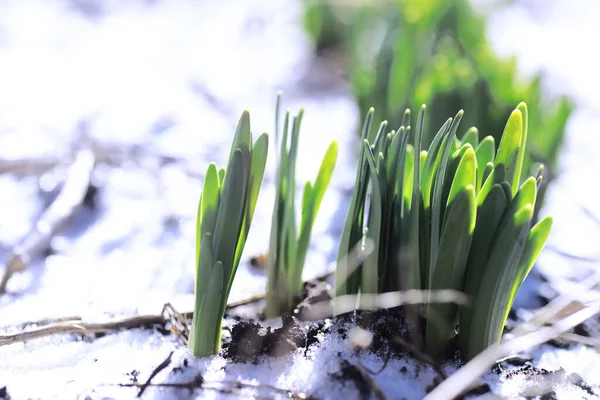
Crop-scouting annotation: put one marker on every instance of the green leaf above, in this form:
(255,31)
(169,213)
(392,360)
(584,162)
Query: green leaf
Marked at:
(370,272)
(324,175)
(407,182)
(242,139)
(485,154)
(471,136)
(207,206)
(393,157)
(308,217)
(414,274)
(522,107)
(487,172)
(229,217)
(378,142)
(490,306)
(508,151)
(538,235)
(205,336)
(406,118)
(257,170)
(489,215)
(465,174)
(433,154)
(310,207)
(448,273)
(436,202)
(346,282)
(489,183)
(203,268)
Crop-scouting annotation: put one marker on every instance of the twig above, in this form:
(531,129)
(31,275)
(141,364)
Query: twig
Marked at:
(80,327)
(347,303)
(200,383)
(562,305)
(586,341)
(25,167)
(468,374)
(178,321)
(54,217)
(76,325)
(159,368)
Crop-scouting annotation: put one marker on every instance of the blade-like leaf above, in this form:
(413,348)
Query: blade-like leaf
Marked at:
(501,270)
(508,150)
(487,187)
(432,154)
(453,177)
(448,272)
(485,154)
(257,170)
(471,136)
(414,275)
(207,206)
(346,282)
(370,273)
(205,335)
(203,268)
(324,175)
(229,217)
(489,215)
(535,242)
(242,138)
(310,207)
(438,186)
(521,155)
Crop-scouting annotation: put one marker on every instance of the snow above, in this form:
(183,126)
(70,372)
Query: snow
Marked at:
(169,79)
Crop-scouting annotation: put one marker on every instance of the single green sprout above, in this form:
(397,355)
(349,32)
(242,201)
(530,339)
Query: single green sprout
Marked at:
(225,213)
(288,248)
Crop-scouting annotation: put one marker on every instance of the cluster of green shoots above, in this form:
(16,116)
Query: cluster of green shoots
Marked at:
(401,54)
(456,216)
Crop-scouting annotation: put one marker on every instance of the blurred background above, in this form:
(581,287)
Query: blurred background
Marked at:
(153,90)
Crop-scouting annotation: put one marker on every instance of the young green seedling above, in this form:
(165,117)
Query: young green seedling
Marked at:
(225,213)
(288,248)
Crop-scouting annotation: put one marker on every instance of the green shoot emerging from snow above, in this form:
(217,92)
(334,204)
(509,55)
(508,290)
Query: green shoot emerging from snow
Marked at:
(225,213)
(455,216)
(287,248)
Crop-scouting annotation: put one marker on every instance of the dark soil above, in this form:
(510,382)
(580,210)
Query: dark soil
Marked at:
(542,380)
(350,373)
(249,340)
(314,303)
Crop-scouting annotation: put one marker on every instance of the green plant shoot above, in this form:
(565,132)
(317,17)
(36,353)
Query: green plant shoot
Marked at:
(457,216)
(225,213)
(287,247)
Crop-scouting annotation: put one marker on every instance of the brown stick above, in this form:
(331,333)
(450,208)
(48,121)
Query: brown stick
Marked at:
(76,325)
(225,386)
(54,217)
(155,372)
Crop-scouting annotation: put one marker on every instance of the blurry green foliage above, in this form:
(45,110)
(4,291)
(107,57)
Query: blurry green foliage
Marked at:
(405,53)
